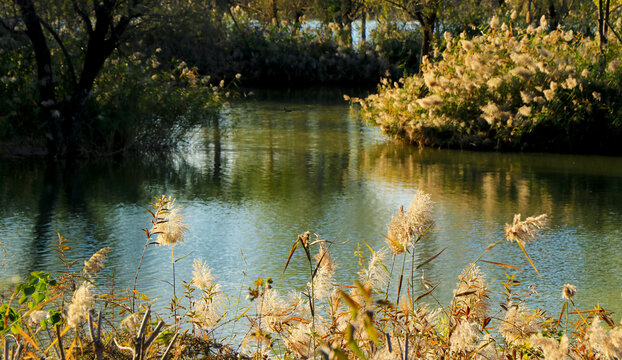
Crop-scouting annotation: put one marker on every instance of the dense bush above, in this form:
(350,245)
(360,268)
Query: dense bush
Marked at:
(137,104)
(509,88)
(167,102)
(398,43)
(223,44)
(18,108)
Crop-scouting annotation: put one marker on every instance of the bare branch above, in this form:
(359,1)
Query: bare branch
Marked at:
(60,43)
(403,7)
(11,29)
(168,348)
(85,18)
(614,31)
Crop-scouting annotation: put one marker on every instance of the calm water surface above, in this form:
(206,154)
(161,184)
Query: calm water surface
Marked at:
(287,163)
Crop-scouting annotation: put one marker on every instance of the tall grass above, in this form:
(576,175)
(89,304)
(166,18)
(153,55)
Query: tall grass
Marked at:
(390,312)
(508,88)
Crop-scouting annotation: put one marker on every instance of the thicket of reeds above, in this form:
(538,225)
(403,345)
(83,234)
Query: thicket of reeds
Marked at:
(508,88)
(390,312)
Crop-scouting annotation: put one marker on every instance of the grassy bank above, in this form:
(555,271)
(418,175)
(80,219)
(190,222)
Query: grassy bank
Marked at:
(509,88)
(384,314)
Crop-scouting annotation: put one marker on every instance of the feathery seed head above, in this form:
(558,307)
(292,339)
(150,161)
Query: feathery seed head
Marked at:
(96,262)
(83,299)
(208,312)
(430,101)
(464,338)
(471,293)
(375,275)
(202,275)
(518,323)
(551,348)
(569,292)
(494,22)
(527,230)
(601,342)
(37,316)
(132,322)
(170,227)
(524,111)
(406,226)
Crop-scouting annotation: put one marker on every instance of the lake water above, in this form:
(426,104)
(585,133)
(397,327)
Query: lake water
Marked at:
(285,163)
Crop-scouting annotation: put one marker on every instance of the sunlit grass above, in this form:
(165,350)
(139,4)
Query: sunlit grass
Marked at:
(507,88)
(390,312)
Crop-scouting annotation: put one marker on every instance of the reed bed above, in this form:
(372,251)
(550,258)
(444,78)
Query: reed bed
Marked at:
(507,88)
(390,312)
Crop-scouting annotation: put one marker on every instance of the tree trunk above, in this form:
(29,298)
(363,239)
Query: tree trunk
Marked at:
(65,129)
(50,113)
(363,27)
(426,44)
(528,19)
(601,26)
(606,22)
(427,24)
(274,13)
(346,20)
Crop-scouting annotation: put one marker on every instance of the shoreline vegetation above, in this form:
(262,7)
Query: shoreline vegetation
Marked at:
(385,314)
(509,88)
(83,80)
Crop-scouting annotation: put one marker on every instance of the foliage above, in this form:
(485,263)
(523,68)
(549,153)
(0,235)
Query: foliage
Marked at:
(18,107)
(71,69)
(398,43)
(168,100)
(508,88)
(224,45)
(460,15)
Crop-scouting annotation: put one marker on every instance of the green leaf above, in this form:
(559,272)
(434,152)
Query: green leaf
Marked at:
(351,343)
(29,290)
(55,317)
(22,299)
(38,297)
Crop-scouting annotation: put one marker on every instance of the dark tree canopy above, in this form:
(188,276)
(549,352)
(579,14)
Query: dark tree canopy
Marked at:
(85,32)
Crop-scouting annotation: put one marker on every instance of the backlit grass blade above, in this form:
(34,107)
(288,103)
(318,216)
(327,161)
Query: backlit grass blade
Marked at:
(291,253)
(430,259)
(503,265)
(427,293)
(561,313)
(522,247)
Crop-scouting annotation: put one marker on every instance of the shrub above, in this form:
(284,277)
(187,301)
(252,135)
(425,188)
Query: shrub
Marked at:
(137,104)
(168,100)
(398,43)
(508,89)
(18,106)
(223,44)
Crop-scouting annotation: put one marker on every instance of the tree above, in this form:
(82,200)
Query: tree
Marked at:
(85,32)
(424,12)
